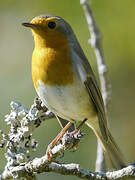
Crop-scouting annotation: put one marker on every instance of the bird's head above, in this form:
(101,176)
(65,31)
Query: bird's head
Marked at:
(50,30)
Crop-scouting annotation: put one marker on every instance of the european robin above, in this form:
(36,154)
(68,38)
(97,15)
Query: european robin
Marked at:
(65,82)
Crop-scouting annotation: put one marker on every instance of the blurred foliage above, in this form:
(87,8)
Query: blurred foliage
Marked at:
(116,21)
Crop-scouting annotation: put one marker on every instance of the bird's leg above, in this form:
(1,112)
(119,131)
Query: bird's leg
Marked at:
(78,128)
(60,135)
(57,139)
(77,134)
(81,124)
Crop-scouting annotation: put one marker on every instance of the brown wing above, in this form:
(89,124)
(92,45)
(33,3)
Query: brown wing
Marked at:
(93,90)
(99,106)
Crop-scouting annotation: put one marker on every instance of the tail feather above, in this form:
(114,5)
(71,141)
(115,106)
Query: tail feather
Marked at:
(112,151)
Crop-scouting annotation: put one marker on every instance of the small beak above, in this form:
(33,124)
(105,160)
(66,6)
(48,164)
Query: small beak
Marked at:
(34,26)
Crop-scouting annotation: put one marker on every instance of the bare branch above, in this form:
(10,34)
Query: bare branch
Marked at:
(95,41)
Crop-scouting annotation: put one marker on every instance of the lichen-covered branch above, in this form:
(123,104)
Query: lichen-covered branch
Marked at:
(41,165)
(95,41)
(19,143)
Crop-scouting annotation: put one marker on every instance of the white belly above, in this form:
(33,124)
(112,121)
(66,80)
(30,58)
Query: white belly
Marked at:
(70,102)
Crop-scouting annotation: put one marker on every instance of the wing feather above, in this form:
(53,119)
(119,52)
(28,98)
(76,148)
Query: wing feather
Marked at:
(93,90)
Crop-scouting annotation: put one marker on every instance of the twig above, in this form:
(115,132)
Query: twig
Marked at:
(95,41)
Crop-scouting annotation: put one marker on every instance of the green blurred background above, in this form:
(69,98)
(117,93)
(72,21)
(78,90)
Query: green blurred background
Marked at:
(116,20)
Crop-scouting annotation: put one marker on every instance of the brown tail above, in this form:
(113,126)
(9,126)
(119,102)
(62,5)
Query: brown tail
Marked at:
(111,150)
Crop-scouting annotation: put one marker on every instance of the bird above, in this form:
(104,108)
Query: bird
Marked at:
(65,82)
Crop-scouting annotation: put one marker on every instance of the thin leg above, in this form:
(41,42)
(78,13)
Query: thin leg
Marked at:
(58,138)
(64,122)
(60,135)
(80,125)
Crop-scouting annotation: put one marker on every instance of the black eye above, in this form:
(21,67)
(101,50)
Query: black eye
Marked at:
(51,25)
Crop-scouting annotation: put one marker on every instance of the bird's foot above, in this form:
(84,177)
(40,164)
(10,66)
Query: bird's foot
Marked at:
(73,138)
(56,140)
(77,135)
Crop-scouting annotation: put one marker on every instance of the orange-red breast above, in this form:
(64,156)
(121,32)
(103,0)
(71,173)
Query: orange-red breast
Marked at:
(65,82)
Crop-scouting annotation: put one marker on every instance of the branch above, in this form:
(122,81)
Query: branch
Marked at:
(19,165)
(95,41)
(19,144)
(40,165)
